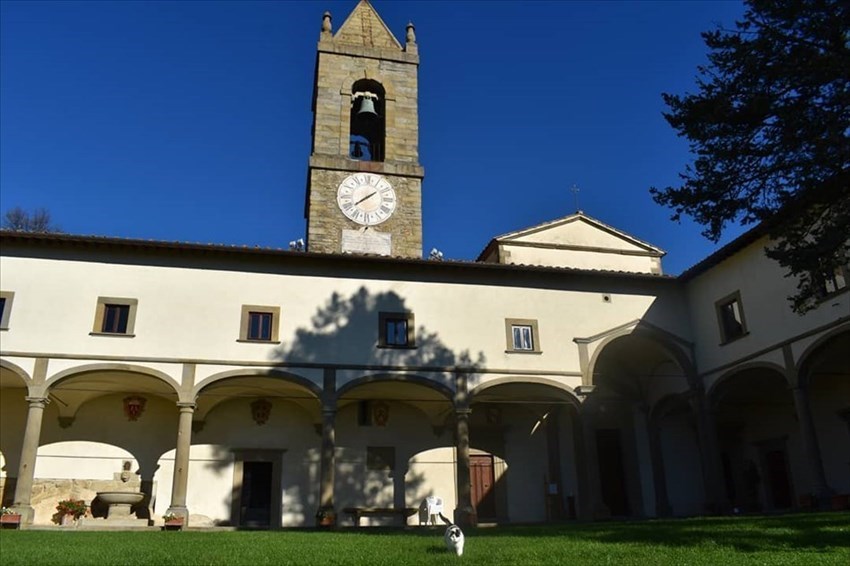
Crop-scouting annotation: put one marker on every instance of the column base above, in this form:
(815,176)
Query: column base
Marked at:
(26,512)
(466,517)
(182,512)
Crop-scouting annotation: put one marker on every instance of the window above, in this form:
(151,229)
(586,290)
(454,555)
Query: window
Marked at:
(521,335)
(833,283)
(380,458)
(396,330)
(259,324)
(730,316)
(115,316)
(6,298)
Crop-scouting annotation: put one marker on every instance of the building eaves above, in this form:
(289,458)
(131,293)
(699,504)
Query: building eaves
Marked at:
(248,252)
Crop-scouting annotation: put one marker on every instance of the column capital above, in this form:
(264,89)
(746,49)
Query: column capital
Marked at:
(36,401)
(185,406)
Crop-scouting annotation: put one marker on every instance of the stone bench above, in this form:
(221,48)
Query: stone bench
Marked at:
(358,512)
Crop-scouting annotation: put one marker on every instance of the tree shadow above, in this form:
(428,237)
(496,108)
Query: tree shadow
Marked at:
(343,334)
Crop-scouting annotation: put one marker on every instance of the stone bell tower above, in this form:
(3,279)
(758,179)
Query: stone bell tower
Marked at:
(364,185)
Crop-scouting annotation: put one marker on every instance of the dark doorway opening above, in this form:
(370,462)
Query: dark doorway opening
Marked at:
(778,479)
(256,494)
(612,476)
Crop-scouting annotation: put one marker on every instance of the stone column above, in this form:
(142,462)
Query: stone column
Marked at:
(715,496)
(29,452)
(844,415)
(326,515)
(591,505)
(328,460)
(181,462)
(659,476)
(464,513)
(811,447)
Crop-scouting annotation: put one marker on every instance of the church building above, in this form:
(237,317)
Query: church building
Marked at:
(561,375)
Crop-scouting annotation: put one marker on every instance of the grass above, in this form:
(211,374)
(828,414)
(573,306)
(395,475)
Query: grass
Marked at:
(822,538)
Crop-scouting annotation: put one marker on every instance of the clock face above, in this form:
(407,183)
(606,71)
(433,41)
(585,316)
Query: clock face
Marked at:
(366,198)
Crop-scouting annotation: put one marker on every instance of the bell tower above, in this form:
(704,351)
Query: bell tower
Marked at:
(364,184)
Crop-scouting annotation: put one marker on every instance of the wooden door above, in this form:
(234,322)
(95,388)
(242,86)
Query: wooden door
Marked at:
(483,486)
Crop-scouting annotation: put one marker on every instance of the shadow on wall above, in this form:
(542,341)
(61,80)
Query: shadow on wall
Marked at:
(345,331)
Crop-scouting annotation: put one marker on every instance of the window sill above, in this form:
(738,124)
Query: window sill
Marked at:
(735,339)
(112,334)
(523,351)
(246,341)
(394,347)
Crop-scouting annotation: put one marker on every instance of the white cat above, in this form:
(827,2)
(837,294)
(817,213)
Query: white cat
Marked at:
(454,539)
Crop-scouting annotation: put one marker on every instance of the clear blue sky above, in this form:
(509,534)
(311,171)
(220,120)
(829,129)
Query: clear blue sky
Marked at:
(190,120)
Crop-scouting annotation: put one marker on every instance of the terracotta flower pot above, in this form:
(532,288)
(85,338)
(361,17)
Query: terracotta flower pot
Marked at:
(10,520)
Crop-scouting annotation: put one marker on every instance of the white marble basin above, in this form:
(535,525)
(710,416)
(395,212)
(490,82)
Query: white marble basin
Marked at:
(120,497)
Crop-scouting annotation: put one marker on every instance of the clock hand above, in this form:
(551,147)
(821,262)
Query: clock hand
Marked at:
(366,197)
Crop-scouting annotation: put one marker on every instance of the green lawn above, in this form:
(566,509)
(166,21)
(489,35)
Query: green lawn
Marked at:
(822,538)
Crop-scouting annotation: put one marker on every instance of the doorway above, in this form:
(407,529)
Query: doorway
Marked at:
(778,480)
(612,476)
(255,510)
(483,486)
(256,502)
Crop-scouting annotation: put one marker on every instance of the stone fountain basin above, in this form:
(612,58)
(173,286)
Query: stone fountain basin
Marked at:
(120,497)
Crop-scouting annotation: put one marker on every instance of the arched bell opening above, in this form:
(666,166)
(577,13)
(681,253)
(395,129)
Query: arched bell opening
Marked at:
(368,124)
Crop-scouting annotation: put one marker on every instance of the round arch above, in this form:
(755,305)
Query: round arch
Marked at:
(385,81)
(17,370)
(66,374)
(809,354)
(662,340)
(258,372)
(531,380)
(747,366)
(444,390)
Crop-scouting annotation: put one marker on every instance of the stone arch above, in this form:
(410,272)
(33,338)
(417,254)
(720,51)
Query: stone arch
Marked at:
(444,390)
(809,354)
(663,406)
(663,340)
(531,380)
(258,372)
(746,366)
(63,375)
(386,82)
(16,370)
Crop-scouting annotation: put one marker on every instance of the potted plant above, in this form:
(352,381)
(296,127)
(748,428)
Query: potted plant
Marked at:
(172,521)
(69,510)
(9,516)
(325,517)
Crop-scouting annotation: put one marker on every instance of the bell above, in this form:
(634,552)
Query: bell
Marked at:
(367,108)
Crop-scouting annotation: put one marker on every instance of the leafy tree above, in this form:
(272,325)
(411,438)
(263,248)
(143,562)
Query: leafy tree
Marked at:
(770,132)
(20,220)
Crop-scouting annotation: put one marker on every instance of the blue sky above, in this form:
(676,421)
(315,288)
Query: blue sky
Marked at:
(190,121)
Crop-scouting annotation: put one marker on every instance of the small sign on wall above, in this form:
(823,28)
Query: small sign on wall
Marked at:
(366,241)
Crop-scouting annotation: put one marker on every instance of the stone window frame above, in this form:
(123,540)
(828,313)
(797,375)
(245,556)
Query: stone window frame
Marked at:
(9,298)
(384,318)
(840,280)
(381,458)
(100,313)
(719,308)
(510,323)
(245,322)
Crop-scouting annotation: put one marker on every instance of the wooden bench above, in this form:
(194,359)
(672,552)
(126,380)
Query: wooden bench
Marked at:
(358,512)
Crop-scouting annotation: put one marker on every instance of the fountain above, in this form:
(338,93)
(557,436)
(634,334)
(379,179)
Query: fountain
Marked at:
(120,503)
